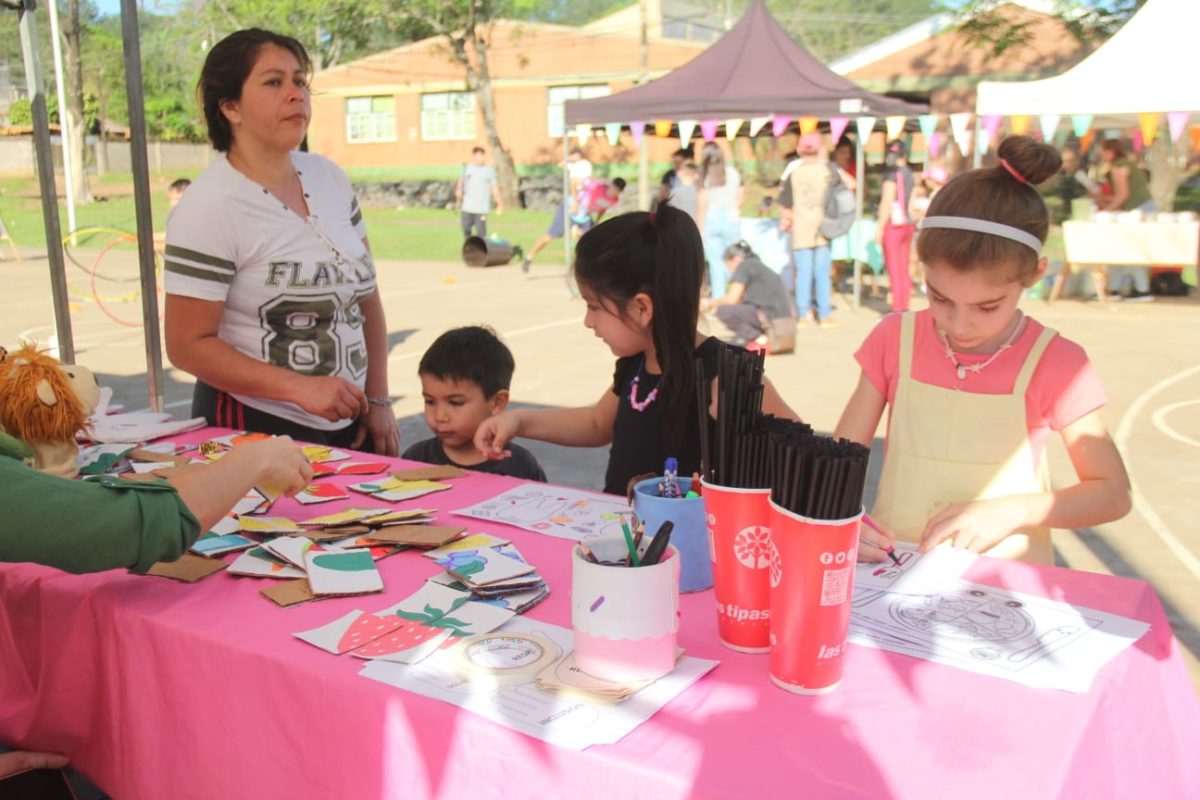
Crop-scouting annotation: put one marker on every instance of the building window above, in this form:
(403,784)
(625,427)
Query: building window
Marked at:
(371,119)
(560,95)
(448,116)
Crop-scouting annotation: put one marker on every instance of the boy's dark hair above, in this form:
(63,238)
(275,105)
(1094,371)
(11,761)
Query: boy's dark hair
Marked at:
(179,185)
(619,183)
(226,68)
(997,195)
(477,149)
(473,353)
(662,255)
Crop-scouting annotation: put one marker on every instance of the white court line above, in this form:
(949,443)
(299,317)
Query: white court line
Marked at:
(545,326)
(1139,500)
(1160,421)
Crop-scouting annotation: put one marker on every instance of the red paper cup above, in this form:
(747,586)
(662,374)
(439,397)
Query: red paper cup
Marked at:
(739,536)
(812,578)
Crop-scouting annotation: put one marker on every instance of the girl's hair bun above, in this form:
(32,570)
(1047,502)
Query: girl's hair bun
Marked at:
(1032,160)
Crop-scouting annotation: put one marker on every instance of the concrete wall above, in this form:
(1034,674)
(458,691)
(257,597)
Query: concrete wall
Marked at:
(17,157)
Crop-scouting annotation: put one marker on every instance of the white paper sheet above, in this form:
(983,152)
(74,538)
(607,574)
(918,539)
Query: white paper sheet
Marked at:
(1034,641)
(553,510)
(917,573)
(565,721)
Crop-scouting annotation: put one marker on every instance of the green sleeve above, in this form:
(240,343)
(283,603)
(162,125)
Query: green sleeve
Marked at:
(90,526)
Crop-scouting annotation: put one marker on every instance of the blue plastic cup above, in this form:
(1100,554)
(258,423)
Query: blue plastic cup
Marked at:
(690,534)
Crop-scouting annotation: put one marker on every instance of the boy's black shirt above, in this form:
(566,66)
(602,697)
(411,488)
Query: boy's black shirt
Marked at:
(521,464)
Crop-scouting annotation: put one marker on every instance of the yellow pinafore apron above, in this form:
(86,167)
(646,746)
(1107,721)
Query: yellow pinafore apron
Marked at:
(946,446)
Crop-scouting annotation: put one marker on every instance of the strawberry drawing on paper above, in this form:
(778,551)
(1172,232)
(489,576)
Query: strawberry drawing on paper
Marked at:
(409,636)
(365,629)
(362,468)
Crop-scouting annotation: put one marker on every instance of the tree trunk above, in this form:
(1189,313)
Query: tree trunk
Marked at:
(101,140)
(1167,163)
(506,170)
(73,120)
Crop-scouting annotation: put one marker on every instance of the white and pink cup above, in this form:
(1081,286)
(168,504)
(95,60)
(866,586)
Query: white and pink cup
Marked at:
(625,618)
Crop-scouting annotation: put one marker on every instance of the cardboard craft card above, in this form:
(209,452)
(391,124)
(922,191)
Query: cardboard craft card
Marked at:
(150,455)
(145,467)
(394,490)
(362,467)
(274,525)
(323,455)
(344,517)
(417,535)
(342,572)
(519,597)
(431,473)
(402,517)
(476,541)
(189,568)
(408,644)
(350,632)
(98,459)
(213,545)
(481,567)
(165,448)
(322,470)
(337,533)
(226,524)
(290,593)
(259,563)
(291,549)
(320,493)
(253,502)
(377,551)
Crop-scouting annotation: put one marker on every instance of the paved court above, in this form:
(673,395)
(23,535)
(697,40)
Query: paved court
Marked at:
(1146,353)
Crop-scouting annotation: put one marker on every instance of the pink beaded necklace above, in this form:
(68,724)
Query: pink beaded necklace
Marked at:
(633,401)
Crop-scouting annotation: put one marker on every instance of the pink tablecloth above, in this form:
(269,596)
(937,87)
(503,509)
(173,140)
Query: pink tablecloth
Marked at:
(159,689)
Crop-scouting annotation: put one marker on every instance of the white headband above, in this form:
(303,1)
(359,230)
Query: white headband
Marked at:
(985,226)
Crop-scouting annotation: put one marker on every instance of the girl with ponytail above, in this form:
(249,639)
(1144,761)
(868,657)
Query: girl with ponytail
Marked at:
(640,275)
(974,387)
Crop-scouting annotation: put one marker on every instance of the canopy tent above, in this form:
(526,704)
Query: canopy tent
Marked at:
(754,70)
(1147,66)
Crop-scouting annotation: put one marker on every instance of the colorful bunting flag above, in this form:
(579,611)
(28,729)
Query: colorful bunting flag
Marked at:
(837,126)
(637,128)
(708,129)
(613,131)
(864,126)
(959,128)
(935,144)
(985,139)
(1139,141)
(1148,122)
(779,124)
(1081,124)
(582,131)
(928,123)
(1176,123)
(686,128)
(1194,133)
(732,126)
(1019,124)
(1085,141)
(990,123)
(808,124)
(1049,123)
(756,124)
(662,128)
(895,127)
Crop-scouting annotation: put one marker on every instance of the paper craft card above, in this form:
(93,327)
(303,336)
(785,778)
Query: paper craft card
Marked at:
(189,569)
(337,533)
(346,516)
(320,493)
(362,467)
(268,525)
(476,541)
(481,567)
(323,455)
(212,545)
(146,467)
(438,606)
(917,573)
(406,517)
(517,602)
(291,549)
(417,535)
(253,502)
(408,644)
(431,473)
(289,593)
(226,524)
(350,632)
(98,459)
(342,572)
(259,563)
(553,511)
(394,490)
(321,470)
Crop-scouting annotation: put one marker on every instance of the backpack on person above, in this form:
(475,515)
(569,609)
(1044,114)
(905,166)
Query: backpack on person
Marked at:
(841,209)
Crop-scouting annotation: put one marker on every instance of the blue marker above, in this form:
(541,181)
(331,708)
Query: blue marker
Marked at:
(670,483)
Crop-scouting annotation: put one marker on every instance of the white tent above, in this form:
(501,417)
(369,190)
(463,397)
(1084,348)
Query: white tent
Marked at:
(1148,65)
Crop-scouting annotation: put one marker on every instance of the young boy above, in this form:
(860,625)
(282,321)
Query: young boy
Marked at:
(465,375)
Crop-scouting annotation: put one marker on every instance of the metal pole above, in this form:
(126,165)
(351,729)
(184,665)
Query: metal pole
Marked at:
(978,162)
(860,166)
(644,149)
(67,155)
(566,210)
(141,199)
(45,169)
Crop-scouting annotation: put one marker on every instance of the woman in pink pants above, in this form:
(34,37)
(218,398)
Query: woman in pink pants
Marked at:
(894,233)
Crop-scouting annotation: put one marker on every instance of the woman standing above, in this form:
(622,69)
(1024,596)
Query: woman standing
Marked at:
(271,296)
(894,232)
(718,209)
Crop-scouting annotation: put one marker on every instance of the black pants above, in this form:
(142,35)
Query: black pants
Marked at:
(223,410)
(476,221)
(743,319)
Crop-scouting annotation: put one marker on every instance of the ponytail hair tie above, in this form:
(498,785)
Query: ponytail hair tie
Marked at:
(1012,171)
(653,216)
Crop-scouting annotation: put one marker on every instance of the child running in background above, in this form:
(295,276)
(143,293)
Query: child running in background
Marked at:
(974,387)
(465,377)
(640,276)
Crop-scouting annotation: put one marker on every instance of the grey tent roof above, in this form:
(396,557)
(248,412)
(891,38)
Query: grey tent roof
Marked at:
(754,70)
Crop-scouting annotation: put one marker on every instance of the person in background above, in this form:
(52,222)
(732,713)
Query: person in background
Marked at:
(1129,190)
(475,191)
(175,191)
(685,195)
(718,211)
(805,187)
(755,297)
(271,294)
(592,200)
(843,159)
(465,378)
(932,179)
(670,178)
(894,231)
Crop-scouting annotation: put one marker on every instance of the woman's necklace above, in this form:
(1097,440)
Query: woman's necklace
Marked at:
(633,388)
(962,369)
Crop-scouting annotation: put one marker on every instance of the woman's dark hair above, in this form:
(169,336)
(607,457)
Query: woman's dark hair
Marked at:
(226,69)
(662,255)
(738,249)
(712,165)
(997,195)
(1114,147)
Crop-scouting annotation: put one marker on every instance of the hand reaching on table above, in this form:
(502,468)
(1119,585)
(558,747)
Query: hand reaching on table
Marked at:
(494,434)
(978,525)
(331,398)
(873,543)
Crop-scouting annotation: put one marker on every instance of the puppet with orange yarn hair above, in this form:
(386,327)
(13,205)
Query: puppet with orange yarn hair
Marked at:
(44,403)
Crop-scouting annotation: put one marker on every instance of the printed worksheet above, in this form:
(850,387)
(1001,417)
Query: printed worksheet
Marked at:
(1041,643)
(553,510)
(567,721)
(917,573)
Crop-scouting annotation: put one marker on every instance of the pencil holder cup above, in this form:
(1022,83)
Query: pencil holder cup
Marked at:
(690,534)
(625,618)
(739,536)
(812,579)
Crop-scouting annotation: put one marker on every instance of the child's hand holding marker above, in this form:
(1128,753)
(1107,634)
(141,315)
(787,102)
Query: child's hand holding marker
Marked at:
(876,542)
